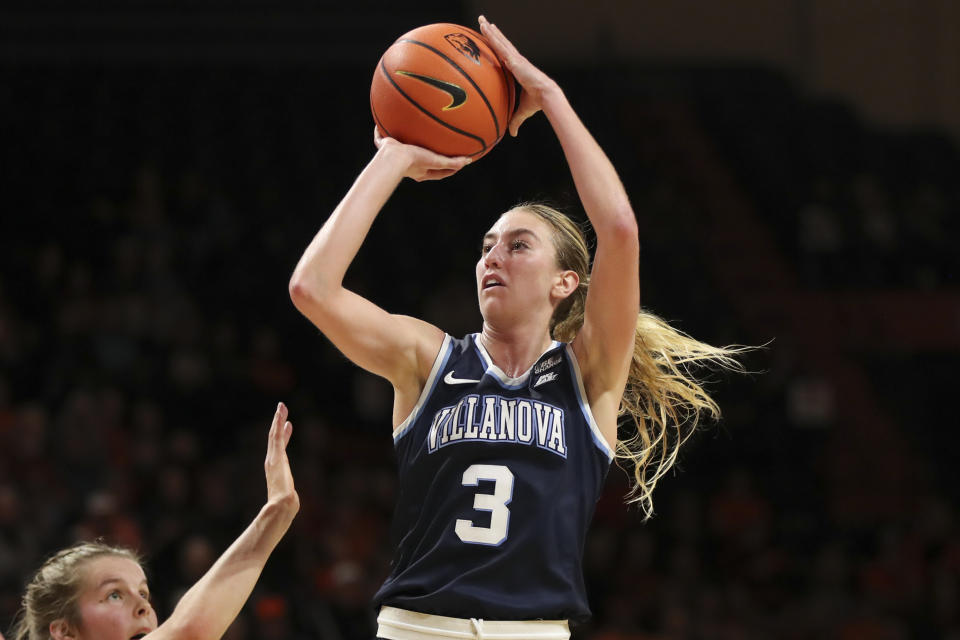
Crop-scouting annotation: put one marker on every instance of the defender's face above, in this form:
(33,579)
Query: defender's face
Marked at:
(114,600)
(517,267)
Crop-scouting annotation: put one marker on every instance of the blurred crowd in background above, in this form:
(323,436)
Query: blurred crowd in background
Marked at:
(151,222)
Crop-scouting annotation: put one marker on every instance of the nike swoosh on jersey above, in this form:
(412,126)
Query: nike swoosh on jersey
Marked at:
(449,379)
(457,95)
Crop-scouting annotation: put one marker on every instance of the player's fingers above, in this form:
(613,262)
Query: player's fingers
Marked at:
(287,432)
(275,437)
(273,425)
(279,417)
(457,162)
(436,174)
(519,118)
(496,37)
(492,35)
(486,28)
(514,125)
(437,162)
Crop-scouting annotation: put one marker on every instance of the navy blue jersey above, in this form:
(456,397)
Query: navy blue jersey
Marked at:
(498,480)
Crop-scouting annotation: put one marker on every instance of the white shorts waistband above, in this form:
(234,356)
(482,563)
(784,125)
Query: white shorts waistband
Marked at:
(400,624)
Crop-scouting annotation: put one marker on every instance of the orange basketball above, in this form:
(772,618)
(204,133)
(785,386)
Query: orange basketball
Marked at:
(442,87)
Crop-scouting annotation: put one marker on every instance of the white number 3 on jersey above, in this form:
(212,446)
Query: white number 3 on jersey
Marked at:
(496,503)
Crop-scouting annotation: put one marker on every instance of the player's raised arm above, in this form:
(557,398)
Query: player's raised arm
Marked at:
(208,608)
(604,345)
(398,348)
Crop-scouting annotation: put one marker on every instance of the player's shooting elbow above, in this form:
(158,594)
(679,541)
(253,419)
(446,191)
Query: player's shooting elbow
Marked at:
(307,291)
(316,298)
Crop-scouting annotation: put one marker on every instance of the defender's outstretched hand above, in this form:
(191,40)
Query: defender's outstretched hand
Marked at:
(535,83)
(276,466)
(210,606)
(422,164)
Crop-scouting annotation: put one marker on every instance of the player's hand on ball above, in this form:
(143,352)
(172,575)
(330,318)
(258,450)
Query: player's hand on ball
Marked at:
(421,164)
(535,83)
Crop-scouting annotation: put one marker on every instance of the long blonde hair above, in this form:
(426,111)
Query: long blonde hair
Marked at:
(53,592)
(663,401)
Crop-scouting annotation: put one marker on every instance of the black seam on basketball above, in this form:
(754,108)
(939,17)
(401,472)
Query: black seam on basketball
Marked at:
(376,120)
(496,123)
(383,68)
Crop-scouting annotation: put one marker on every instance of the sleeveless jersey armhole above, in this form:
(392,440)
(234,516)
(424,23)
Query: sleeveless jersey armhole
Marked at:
(438,365)
(598,438)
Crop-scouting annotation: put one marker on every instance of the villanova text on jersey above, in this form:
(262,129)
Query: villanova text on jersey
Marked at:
(493,418)
(498,480)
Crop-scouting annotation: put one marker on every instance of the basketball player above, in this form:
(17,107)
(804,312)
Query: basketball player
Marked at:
(93,591)
(504,437)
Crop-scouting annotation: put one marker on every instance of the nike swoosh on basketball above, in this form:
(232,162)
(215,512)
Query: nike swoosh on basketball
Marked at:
(457,95)
(449,379)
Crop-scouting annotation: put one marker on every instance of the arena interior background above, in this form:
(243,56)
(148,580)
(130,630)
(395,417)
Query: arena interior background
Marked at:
(793,165)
